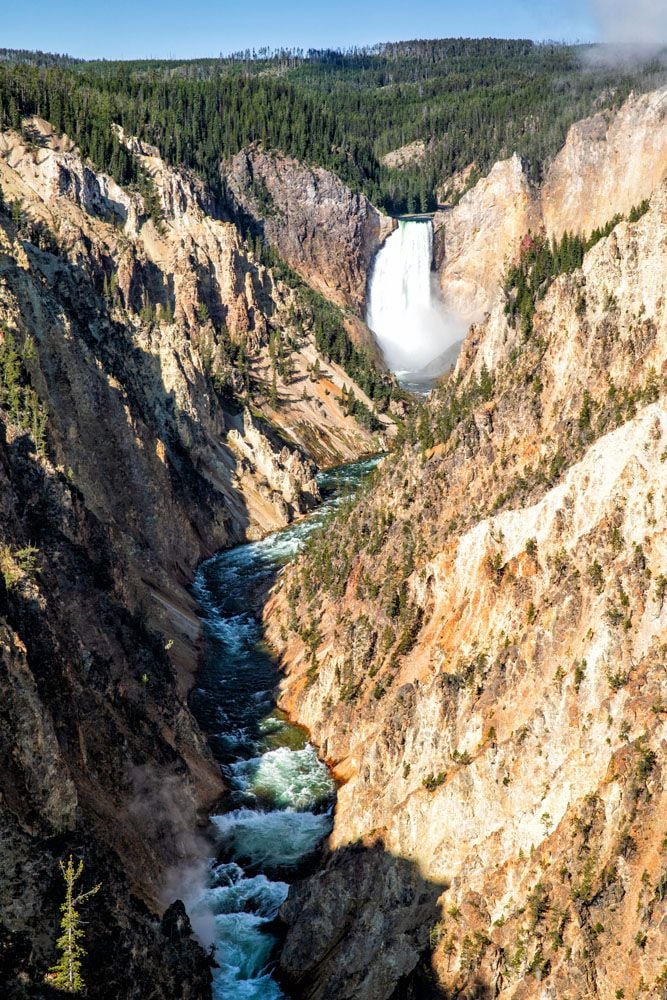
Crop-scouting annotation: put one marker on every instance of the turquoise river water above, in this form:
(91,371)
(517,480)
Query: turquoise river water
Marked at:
(281,798)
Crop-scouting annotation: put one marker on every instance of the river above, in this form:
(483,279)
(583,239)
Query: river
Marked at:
(280,805)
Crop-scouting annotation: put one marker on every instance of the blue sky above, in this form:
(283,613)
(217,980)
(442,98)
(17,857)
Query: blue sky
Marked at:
(180,28)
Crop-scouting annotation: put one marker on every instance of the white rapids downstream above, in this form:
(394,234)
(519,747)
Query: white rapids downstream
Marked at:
(281,798)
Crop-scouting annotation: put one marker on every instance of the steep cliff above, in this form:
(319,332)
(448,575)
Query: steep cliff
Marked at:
(478,647)
(160,393)
(325,232)
(609,161)
(473,240)
(609,164)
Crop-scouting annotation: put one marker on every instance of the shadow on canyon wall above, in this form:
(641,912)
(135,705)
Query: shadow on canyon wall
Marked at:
(89,697)
(362,929)
(77,722)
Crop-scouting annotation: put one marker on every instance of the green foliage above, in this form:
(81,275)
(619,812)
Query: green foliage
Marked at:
(538,904)
(579,674)
(333,342)
(541,261)
(424,431)
(617,679)
(453,404)
(584,419)
(471,100)
(26,559)
(16,212)
(17,397)
(354,407)
(485,384)
(263,198)
(472,949)
(646,759)
(583,891)
(596,576)
(65,975)
(637,211)
(18,565)
(326,321)
(410,633)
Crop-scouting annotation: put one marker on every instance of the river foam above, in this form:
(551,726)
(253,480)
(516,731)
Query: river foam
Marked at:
(281,795)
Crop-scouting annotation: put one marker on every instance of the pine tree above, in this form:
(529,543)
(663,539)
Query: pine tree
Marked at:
(17,212)
(66,973)
(485,383)
(168,312)
(424,432)
(11,378)
(113,287)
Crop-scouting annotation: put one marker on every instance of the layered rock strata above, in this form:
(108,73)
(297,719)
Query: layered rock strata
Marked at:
(478,648)
(328,234)
(160,395)
(609,164)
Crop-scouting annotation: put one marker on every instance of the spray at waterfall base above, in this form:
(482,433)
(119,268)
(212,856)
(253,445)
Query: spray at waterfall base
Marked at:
(414,330)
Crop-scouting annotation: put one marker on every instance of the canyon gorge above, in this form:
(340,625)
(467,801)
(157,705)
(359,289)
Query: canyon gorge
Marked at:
(141,340)
(340,690)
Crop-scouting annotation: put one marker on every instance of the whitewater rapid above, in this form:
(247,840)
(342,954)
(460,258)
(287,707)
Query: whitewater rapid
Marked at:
(411,325)
(281,798)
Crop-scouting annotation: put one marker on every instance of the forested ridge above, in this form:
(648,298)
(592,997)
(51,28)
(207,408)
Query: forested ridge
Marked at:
(469,100)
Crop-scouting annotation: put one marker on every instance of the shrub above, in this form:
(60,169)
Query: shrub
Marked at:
(433,781)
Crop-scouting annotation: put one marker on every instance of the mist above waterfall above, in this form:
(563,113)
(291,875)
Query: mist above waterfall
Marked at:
(410,323)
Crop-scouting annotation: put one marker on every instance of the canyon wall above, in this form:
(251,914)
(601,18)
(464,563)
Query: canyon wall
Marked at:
(161,395)
(472,242)
(478,648)
(609,164)
(328,234)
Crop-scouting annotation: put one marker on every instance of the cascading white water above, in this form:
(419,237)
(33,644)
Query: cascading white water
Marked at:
(411,325)
(279,807)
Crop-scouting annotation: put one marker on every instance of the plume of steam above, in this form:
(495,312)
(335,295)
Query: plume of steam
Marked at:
(163,808)
(632,32)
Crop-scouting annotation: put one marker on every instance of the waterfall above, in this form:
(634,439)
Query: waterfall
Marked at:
(410,323)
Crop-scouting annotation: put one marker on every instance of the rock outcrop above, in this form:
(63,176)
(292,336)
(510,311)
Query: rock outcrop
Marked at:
(318,226)
(482,658)
(405,156)
(453,189)
(609,164)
